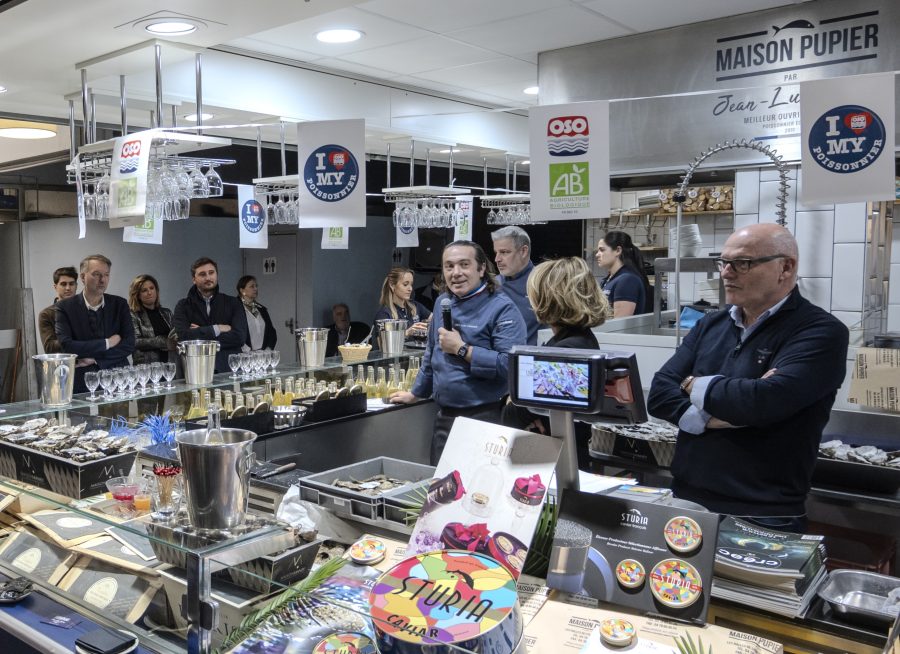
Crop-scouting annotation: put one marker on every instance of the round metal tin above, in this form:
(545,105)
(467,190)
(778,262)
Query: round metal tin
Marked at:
(630,573)
(617,632)
(367,551)
(675,583)
(345,642)
(683,534)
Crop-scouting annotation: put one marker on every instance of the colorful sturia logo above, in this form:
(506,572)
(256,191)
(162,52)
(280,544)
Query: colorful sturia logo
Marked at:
(567,136)
(129,157)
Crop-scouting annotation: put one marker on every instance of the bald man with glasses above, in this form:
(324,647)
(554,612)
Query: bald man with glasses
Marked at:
(751,387)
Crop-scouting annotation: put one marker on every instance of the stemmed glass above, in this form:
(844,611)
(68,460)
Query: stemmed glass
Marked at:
(143,376)
(281,211)
(259,358)
(92,380)
(214,183)
(101,191)
(131,375)
(156,373)
(200,184)
(234,362)
(108,382)
(121,381)
(274,358)
(246,360)
(169,373)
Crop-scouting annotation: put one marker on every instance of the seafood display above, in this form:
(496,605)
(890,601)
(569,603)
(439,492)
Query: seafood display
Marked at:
(73,442)
(870,454)
(372,486)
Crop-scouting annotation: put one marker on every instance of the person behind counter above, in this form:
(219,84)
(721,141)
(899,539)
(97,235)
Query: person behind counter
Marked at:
(397,303)
(94,325)
(465,369)
(566,297)
(512,254)
(343,330)
(65,282)
(154,336)
(751,387)
(427,295)
(626,286)
(207,314)
(261,333)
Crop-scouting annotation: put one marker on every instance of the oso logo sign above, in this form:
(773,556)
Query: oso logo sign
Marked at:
(847,139)
(567,136)
(331,173)
(129,157)
(253,218)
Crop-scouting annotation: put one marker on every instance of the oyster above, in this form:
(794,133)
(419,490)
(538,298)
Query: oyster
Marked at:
(34,424)
(373,486)
(6,430)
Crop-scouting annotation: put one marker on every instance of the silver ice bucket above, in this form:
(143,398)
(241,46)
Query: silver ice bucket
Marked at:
(391,336)
(311,344)
(199,360)
(216,477)
(55,377)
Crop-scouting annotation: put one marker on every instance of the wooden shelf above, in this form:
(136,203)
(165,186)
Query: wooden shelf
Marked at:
(664,214)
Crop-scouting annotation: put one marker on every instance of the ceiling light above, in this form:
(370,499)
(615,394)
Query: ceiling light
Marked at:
(449,151)
(3,89)
(339,36)
(526,162)
(531,90)
(26,133)
(193,117)
(169,25)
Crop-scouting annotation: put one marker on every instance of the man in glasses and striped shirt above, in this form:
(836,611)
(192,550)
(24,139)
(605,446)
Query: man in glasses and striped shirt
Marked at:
(751,387)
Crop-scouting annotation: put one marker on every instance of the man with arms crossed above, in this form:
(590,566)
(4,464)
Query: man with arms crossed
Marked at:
(751,387)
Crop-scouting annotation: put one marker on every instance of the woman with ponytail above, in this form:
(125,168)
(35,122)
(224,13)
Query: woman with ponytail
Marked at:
(626,286)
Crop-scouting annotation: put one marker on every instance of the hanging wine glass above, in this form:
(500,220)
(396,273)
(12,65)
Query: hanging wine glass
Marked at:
(214,182)
(199,183)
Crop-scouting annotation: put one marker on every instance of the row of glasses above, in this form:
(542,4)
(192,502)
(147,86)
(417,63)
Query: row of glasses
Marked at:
(282,207)
(124,381)
(516,214)
(95,198)
(253,364)
(427,213)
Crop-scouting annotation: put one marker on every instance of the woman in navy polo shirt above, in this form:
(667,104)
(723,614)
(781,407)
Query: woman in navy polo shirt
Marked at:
(626,287)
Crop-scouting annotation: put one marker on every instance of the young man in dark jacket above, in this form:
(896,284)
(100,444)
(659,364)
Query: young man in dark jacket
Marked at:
(751,387)
(206,314)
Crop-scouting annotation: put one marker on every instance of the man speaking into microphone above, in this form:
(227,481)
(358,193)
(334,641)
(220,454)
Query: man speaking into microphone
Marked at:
(467,355)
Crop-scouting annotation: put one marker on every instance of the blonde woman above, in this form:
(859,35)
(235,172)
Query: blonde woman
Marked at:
(397,302)
(154,337)
(565,296)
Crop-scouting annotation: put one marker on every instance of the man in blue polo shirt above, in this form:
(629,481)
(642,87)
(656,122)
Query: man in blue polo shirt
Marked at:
(465,369)
(512,254)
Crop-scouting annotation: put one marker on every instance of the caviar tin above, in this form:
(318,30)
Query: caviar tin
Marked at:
(367,551)
(675,583)
(439,601)
(617,632)
(630,573)
(683,534)
(345,642)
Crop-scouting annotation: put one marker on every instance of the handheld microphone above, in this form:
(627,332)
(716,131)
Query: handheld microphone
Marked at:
(445,314)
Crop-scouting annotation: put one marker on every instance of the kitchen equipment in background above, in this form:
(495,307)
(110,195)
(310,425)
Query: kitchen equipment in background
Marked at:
(55,378)
(199,360)
(689,237)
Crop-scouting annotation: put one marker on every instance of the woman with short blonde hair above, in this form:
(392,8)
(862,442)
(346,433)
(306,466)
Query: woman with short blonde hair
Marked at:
(564,294)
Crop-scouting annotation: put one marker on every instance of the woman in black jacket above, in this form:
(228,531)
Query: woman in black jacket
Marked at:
(154,337)
(261,334)
(565,296)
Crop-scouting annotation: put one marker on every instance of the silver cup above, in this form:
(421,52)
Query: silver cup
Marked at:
(391,336)
(55,378)
(199,360)
(311,344)
(216,477)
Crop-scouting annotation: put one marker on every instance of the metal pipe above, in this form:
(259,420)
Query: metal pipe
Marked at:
(258,152)
(484,174)
(85,116)
(283,160)
(93,116)
(515,174)
(427,167)
(388,180)
(562,426)
(72,146)
(506,179)
(412,161)
(157,51)
(451,168)
(123,105)
(174,116)
(198,75)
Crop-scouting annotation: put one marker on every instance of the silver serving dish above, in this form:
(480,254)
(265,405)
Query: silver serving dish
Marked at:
(288,416)
(860,594)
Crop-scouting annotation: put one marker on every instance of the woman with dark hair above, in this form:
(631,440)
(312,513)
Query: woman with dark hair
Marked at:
(261,334)
(154,336)
(626,286)
(397,302)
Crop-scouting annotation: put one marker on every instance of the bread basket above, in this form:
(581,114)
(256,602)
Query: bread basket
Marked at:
(354,353)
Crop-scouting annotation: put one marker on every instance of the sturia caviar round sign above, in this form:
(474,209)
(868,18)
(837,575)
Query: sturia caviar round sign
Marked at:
(447,597)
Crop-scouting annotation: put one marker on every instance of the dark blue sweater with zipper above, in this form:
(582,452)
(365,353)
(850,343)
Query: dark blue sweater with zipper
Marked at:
(764,467)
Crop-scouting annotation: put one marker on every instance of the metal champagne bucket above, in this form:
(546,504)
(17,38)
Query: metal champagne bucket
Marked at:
(55,377)
(216,476)
(199,360)
(391,336)
(311,344)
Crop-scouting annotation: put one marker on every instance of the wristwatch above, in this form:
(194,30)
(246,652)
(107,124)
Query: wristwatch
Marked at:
(687,382)
(462,351)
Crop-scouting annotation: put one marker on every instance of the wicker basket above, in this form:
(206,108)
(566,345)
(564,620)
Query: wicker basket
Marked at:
(353,354)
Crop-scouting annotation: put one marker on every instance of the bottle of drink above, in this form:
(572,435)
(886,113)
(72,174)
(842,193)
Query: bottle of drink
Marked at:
(278,396)
(381,384)
(217,396)
(229,405)
(194,411)
(371,386)
(288,398)
(268,398)
(360,375)
(205,401)
(393,384)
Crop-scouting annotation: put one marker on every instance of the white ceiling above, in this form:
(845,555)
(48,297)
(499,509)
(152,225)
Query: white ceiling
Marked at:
(481,52)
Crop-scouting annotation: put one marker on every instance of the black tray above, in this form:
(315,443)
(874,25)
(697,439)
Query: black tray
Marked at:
(856,476)
(338,407)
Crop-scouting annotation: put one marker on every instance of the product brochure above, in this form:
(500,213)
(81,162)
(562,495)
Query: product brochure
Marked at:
(490,485)
(651,557)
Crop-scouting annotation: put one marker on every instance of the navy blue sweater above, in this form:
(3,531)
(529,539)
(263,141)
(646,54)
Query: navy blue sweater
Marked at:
(764,467)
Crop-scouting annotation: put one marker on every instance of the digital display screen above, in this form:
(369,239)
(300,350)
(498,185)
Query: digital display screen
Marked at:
(555,382)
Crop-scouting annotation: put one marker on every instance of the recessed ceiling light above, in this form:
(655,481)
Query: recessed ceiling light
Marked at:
(339,36)
(3,89)
(526,162)
(531,90)
(204,116)
(26,133)
(448,151)
(170,25)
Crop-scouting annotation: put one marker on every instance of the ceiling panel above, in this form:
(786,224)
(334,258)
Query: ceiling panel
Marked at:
(442,16)
(429,53)
(495,71)
(649,15)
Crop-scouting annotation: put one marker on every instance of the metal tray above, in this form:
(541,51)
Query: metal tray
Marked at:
(857,594)
(856,476)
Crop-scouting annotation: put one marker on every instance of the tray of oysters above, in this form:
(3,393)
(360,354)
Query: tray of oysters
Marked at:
(863,467)
(90,440)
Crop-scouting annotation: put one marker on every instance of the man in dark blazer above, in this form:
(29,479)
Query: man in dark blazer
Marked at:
(342,330)
(206,314)
(94,325)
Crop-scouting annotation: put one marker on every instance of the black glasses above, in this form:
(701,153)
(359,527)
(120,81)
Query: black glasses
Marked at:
(741,266)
